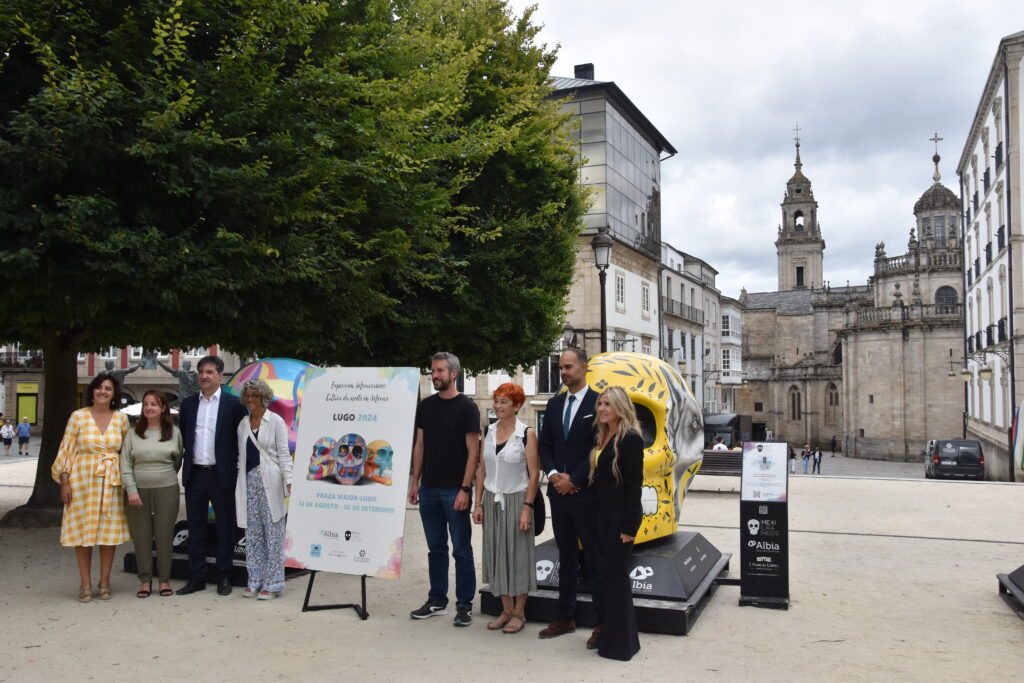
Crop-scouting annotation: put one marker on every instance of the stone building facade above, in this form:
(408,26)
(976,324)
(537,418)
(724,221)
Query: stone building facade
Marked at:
(867,365)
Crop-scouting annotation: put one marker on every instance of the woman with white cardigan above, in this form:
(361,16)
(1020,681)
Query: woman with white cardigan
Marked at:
(265,479)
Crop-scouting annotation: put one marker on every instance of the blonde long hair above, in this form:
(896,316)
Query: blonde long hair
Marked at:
(623,407)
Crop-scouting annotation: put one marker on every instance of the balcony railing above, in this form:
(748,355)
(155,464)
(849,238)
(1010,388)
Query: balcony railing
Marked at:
(901,314)
(21,359)
(678,308)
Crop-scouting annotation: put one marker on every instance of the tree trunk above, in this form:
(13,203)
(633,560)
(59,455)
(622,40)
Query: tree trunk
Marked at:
(60,372)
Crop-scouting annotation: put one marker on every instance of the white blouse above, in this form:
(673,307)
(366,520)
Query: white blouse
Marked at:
(506,472)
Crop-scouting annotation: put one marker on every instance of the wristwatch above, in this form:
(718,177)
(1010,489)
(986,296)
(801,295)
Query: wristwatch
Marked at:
(467,489)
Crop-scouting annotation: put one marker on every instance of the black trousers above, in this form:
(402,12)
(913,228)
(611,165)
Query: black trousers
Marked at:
(619,638)
(574,521)
(203,488)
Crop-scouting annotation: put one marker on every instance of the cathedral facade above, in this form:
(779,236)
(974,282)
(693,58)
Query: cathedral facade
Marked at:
(865,365)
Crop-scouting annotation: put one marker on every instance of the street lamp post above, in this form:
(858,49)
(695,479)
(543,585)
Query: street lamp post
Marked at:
(602,246)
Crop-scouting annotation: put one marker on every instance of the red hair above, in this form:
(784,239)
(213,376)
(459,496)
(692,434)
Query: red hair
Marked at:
(512,392)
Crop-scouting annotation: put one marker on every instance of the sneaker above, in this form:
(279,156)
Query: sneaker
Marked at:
(462,617)
(269,595)
(250,592)
(429,609)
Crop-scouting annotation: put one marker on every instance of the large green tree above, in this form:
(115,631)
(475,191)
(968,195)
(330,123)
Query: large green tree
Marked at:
(357,182)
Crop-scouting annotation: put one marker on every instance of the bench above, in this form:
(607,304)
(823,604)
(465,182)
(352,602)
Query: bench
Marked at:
(722,463)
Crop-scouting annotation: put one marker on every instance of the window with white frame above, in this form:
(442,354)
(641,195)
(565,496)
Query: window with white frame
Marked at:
(645,299)
(548,377)
(620,291)
(726,357)
(135,352)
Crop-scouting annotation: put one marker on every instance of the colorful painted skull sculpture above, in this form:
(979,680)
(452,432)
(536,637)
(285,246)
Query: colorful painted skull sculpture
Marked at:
(673,432)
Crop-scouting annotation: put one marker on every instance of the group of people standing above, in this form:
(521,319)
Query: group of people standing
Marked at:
(118,483)
(592,453)
(811,457)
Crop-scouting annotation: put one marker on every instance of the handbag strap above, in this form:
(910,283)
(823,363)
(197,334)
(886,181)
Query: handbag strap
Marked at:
(263,452)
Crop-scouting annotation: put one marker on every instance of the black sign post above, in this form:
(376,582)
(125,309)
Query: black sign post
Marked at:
(764,526)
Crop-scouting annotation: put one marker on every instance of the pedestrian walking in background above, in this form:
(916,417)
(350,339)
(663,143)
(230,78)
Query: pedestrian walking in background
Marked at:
(816,469)
(792,461)
(23,433)
(7,434)
(834,446)
(806,455)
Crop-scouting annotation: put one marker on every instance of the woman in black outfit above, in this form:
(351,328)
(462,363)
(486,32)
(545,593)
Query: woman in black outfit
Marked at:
(617,469)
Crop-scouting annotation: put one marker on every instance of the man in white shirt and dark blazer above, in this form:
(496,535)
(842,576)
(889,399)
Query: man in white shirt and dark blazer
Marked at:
(209,422)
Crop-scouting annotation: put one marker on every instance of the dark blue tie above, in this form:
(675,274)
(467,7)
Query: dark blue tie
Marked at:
(567,418)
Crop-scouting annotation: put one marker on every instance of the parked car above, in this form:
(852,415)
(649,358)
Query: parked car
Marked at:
(954,458)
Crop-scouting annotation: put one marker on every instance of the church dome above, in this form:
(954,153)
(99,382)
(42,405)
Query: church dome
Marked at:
(938,196)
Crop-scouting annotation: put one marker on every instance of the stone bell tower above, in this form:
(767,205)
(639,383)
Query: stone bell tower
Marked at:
(799,245)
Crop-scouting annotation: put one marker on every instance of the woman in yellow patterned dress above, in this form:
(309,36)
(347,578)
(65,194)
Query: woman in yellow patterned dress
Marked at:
(88,470)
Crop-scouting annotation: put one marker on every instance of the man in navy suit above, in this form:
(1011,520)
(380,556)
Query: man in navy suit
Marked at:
(566,439)
(209,427)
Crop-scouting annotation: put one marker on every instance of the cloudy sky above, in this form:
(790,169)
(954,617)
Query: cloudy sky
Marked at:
(869,82)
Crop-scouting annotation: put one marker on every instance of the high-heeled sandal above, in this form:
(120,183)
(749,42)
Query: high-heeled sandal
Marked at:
(145,592)
(85,595)
(104,593)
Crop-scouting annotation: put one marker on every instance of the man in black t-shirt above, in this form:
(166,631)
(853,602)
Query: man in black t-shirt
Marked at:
(444,461)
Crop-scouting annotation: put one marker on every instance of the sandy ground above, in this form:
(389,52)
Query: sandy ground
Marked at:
(891,579)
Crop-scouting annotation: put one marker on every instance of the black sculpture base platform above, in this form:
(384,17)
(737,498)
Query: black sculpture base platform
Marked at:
(179,563)
(1011,589)
(673,579)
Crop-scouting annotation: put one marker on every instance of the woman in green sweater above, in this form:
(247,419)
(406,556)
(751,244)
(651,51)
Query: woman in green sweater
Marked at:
(150,460)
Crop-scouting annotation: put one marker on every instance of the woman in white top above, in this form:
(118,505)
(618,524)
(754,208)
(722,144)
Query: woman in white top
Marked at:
(264,480)
(506,489)
(7,434)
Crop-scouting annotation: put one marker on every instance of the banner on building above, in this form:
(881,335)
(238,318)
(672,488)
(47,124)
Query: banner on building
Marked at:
(352,460)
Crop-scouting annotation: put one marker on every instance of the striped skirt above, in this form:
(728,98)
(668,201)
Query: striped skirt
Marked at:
(508,551)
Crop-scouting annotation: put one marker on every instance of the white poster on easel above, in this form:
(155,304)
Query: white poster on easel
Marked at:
(352,459)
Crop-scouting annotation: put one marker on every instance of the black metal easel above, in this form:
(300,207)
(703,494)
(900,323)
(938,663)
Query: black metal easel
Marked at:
(360,609)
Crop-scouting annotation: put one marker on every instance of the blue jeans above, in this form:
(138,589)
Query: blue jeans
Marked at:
(439,517)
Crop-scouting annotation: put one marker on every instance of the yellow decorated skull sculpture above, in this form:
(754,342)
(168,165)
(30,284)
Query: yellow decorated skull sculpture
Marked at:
(673,432)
